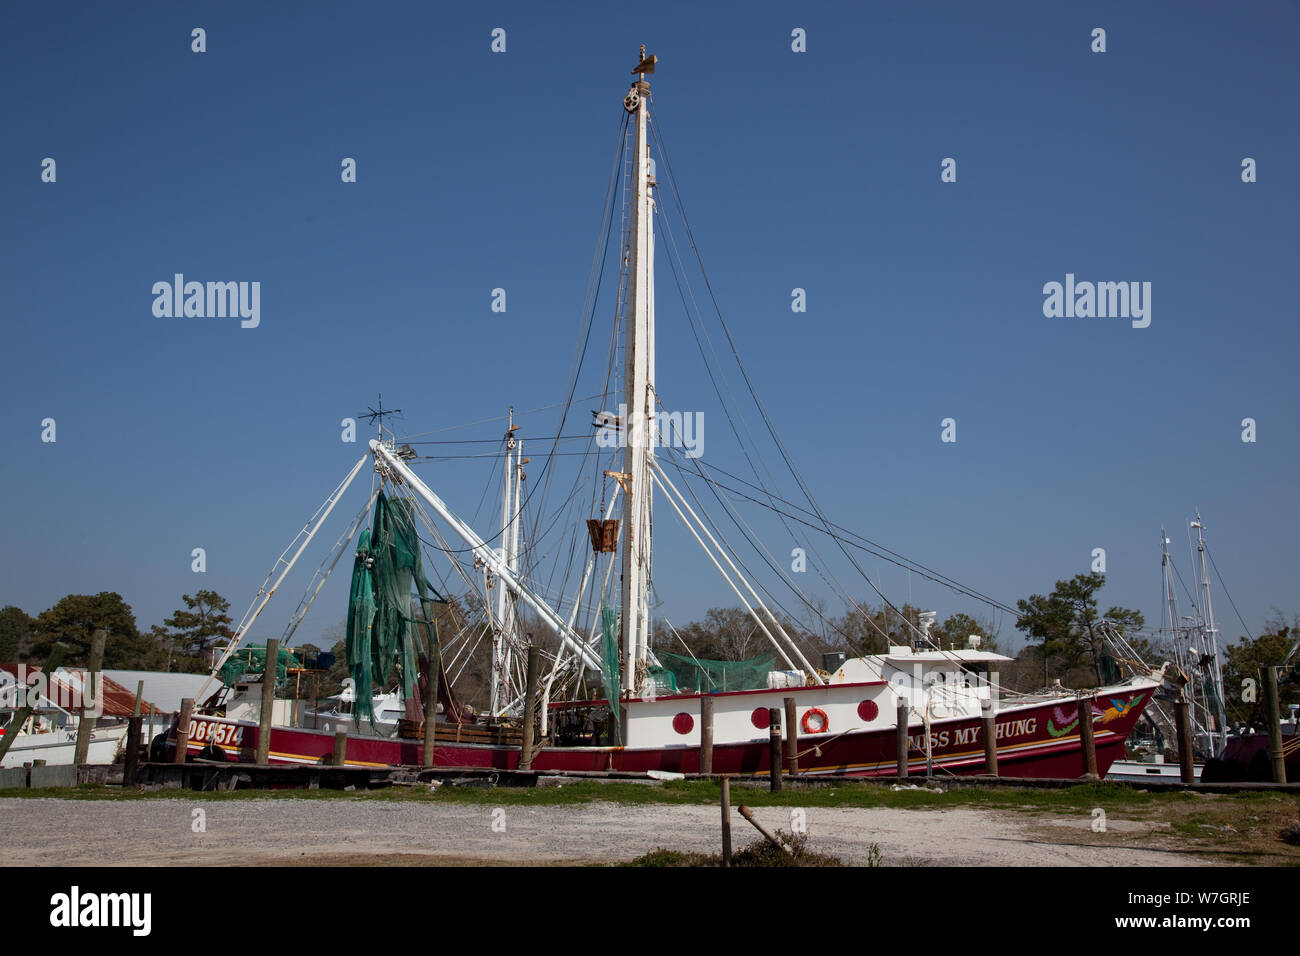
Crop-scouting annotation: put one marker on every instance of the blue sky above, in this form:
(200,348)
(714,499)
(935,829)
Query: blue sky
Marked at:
(817,170)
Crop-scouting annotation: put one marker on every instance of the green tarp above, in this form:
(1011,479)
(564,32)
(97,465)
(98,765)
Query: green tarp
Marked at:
(690,675)
(251,659)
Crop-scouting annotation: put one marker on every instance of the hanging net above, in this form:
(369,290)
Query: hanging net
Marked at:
(692,675)
(251,659)
(609,663)
(387,627)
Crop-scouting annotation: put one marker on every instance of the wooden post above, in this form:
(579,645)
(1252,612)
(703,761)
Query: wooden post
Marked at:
(726,821)
(1276,756)
(530,705)
(86,723)
(150,739)
(430,707)
(902,714)
(706,740)
(52,663)
(990,740)
(1087,742)
(263,754)
(183,730)
(748,814)
(340,756)
(791,739)
(1184,725)
(138,729)
(134,729)
(774,747)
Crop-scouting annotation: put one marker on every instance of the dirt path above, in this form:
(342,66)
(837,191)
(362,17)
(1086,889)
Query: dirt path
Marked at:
(54,832)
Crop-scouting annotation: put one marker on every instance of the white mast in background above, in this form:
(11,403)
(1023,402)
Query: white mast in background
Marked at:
(499,691)
(1216,718)
(638,379)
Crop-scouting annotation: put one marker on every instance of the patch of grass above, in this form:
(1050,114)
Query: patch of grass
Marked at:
(665,857)
(864,794)
(760,853)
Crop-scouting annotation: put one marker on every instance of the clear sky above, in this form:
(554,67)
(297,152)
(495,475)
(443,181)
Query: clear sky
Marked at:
(817,170)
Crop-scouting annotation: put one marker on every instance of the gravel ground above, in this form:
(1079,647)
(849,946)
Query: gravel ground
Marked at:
(54,832)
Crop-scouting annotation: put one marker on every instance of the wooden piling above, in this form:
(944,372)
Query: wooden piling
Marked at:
(1276,756)
(430,707)
(791,739)
(183,730)
(1182,721)
(990,740)
(134,731)
(901,719)
(748,814)
(726,821)
(530,705)
(706,737)
(86,723)
(135,728)
(1087,742)
(268,701)
(340,755)
(774,747)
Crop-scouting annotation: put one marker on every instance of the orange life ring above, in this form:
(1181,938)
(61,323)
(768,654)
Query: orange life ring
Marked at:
(825,723)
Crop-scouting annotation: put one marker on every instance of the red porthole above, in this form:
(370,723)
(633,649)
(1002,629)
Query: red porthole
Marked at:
(760,718)
(683,723)
(868,710)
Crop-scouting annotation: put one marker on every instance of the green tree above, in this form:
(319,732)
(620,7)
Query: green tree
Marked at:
(874,630)
(75,618)
(954,633)
(203,622)
(1243,662)
(1065,622)
(16,630)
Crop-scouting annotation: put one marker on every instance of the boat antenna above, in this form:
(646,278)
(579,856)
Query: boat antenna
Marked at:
(373,416)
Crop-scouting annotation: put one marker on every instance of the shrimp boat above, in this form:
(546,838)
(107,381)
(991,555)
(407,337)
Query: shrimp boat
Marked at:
(641,719)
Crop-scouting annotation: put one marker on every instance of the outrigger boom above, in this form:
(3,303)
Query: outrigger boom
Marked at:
(389,462)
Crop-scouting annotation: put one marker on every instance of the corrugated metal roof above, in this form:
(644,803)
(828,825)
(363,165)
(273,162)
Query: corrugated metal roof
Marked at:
(65,690)
(165,689)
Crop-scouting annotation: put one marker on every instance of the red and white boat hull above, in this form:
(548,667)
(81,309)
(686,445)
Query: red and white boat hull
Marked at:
(1037,739)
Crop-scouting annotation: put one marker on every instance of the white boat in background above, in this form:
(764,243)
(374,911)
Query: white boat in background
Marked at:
(55,743)
(50,733)
(1151,768)
(336,714)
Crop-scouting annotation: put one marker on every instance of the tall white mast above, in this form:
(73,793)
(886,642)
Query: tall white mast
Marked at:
(1167,579)
(638,378)
(499,692)
(1216,719)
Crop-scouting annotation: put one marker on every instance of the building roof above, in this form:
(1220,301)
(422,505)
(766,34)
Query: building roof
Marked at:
(165,689)
(65,689)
